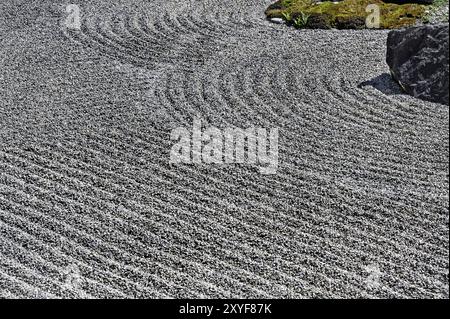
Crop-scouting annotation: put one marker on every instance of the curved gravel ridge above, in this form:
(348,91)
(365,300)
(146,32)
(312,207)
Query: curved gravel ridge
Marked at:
(91,207)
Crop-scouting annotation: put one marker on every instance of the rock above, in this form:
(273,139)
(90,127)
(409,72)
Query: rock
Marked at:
(419,60)
(277,20)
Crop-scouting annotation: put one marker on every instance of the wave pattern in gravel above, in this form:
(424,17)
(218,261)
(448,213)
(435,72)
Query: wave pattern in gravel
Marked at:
(91,207)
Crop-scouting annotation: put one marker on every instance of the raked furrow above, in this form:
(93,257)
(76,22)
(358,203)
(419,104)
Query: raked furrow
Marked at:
(91,206)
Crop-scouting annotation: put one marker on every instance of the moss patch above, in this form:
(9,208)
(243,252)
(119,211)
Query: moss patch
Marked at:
(347,14)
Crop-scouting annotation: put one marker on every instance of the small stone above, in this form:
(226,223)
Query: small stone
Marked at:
(277,20)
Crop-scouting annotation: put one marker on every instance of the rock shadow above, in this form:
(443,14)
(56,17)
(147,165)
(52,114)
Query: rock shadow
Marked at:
(385,84)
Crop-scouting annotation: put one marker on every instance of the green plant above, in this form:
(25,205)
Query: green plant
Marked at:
(287,16)
(302,20)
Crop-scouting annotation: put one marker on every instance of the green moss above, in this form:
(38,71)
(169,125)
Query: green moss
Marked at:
(347,14)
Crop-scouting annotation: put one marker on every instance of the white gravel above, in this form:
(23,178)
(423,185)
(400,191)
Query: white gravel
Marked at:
(91,207)
(439,14)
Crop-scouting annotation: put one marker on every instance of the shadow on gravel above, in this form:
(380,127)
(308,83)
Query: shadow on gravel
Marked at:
(383,83)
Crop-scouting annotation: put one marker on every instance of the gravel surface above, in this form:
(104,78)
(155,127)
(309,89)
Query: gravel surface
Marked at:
(439,14)
(91,207)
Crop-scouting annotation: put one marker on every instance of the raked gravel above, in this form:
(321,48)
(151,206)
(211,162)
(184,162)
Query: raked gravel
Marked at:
(91,207)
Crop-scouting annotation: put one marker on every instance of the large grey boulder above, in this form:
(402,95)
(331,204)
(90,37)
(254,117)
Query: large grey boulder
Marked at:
(418,59)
